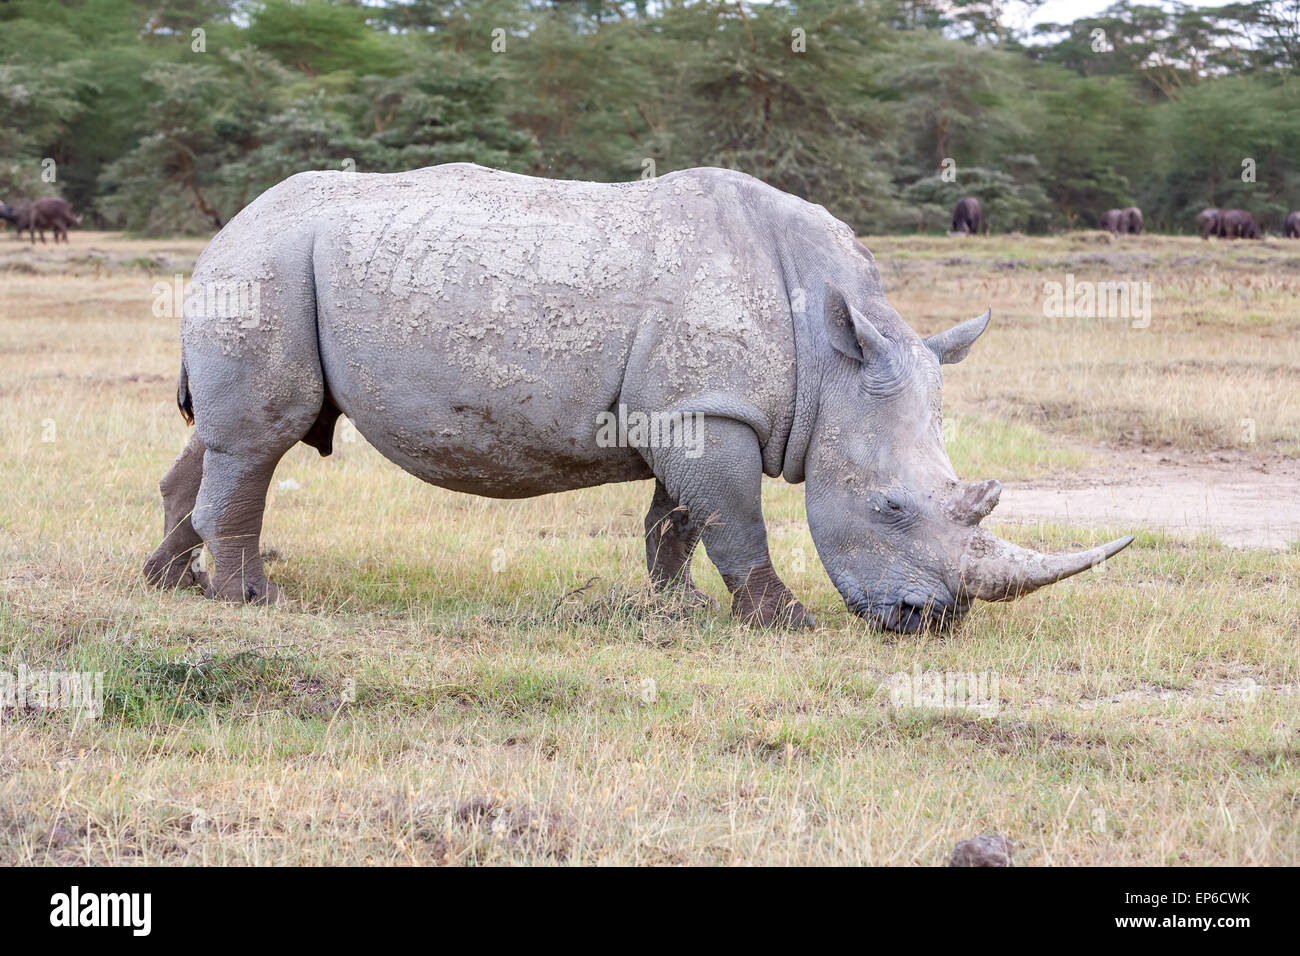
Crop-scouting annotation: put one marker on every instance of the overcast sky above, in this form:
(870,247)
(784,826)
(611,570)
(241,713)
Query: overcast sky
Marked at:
(1065,11)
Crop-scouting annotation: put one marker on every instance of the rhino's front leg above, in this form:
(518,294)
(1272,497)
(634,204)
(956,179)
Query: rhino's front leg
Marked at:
(721,488)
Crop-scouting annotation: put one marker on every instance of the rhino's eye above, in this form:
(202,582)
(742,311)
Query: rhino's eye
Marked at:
(895,503)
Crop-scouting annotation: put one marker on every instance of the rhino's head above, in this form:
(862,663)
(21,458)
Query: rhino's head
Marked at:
(896,529)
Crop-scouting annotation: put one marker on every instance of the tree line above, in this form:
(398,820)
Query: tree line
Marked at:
(168,116)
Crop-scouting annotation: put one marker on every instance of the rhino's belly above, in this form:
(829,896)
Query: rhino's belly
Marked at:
(479,462)
(486,415)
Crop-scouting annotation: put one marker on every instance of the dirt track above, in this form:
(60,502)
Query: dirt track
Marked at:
(1244,502)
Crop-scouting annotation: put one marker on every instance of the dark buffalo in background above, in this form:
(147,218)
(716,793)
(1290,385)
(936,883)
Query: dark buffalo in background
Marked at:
(18,215)
(967,216)
(1112,220)
(1131,220)
(1292,227)
(1237,224)
(53,214)
(1207,222)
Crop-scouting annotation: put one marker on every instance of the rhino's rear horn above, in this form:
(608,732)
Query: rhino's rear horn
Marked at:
(973,500)
(996,570)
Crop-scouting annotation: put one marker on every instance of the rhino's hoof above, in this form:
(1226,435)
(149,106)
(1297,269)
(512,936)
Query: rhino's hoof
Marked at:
(787,613)
(798,617)
(265,595)
(165,571)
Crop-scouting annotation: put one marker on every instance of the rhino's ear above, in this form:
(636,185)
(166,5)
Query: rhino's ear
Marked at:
(953,345)
(850,332)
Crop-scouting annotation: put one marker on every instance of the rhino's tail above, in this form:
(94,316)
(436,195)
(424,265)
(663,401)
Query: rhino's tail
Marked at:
(185,401)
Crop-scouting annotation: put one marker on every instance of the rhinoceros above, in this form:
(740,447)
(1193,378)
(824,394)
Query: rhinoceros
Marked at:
(479,328)
(40,215)
(1237,224)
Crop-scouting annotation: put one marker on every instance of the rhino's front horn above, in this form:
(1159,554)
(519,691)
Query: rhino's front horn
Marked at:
(996,570)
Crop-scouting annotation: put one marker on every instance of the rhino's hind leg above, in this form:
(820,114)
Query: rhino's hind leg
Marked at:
(169,566)
(670,540)
(228,516)
(252,366)
(244,442)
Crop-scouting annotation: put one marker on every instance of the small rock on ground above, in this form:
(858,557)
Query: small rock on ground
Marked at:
(987,850)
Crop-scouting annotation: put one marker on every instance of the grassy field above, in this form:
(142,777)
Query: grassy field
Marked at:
(435,691)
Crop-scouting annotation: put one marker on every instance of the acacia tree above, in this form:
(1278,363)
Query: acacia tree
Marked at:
(1089,133)
(787,97)
(1230,144)
(195,128)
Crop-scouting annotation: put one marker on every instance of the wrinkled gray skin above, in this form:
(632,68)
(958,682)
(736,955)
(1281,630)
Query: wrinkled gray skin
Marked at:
(473,323)
(1112,220)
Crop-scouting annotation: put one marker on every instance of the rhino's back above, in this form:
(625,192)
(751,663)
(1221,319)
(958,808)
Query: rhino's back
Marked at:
(505,276)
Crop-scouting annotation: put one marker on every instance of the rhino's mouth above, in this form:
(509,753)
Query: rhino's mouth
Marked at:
(906,617)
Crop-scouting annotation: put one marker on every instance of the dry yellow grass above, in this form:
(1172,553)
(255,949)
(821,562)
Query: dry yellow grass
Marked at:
(432,696)
(1217,366)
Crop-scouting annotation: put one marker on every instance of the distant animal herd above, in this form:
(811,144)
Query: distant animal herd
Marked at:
(56,215)
(1224,223)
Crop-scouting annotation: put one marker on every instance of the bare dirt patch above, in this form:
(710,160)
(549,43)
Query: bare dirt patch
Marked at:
(1241,501)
